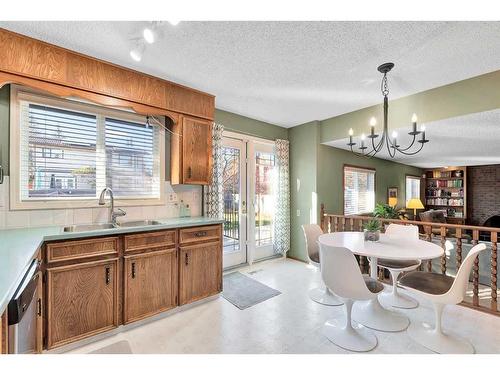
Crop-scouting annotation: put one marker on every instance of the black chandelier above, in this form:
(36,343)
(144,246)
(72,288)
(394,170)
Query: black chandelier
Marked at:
(392,144)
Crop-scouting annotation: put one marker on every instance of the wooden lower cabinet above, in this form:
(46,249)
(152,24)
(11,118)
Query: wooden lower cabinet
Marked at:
(200,271)
(150,284)
(82,300)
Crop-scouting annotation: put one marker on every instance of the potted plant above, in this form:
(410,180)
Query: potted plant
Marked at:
(388,212)
(372,230)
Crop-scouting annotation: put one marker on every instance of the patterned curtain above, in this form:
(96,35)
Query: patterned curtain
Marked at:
(214,197)
(282,212)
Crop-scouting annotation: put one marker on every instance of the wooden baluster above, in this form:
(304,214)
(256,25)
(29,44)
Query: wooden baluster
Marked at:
(362,263)
(475,271)
(329,224)
(494,238)
(335,224)
(443,245)
(351,224)
(458,235)
(322,218)
(342,224)
(428,235)
(360,225)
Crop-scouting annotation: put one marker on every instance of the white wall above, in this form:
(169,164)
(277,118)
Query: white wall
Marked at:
(39,218)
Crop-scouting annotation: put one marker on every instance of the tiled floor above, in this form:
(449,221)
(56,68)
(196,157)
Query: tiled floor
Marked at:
(288,323)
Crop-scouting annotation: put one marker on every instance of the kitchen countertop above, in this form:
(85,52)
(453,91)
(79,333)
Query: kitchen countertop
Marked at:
(18,246)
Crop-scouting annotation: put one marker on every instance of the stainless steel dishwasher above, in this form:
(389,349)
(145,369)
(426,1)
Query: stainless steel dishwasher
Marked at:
(23,311)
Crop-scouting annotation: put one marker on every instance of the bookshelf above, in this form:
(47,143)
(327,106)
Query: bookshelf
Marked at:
(446,189)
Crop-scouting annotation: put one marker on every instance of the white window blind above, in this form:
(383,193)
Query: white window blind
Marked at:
(359,190)
(58,153)
(132,159)
(412,187)
(68,153)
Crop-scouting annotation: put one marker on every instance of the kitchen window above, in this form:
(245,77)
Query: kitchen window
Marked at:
(412,187)
(69,151)
(359,190)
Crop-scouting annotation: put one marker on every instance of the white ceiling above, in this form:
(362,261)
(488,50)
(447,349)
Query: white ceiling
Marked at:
(466,140)
(288,73)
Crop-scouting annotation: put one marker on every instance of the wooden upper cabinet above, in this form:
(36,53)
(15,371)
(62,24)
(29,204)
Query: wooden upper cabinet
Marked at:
(191,152)
(28,57)
(82,300)
(200,268)
(150,284)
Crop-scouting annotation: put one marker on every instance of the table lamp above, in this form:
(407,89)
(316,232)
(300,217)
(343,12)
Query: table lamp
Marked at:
(415,204)
(393,201)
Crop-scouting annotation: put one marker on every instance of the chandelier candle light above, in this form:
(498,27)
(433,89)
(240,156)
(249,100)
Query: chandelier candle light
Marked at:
(392,145)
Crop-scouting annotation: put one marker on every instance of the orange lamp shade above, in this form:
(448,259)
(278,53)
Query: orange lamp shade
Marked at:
(393,201)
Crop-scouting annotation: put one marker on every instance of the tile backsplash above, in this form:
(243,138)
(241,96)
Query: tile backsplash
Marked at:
(38,218)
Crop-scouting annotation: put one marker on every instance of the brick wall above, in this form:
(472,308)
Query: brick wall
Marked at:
(483,193)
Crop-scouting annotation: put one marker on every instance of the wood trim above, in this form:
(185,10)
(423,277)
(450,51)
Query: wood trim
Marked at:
(32,58)
(78,247)
(210,233)
(344,166)
(150,240)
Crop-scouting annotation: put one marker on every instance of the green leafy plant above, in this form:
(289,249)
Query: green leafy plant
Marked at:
(372,226)
(385,211)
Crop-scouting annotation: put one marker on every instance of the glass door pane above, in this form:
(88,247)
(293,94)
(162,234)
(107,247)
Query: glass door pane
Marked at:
(234,195)
(264,200)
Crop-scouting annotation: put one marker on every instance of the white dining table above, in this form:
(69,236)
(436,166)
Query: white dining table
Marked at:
(371,313)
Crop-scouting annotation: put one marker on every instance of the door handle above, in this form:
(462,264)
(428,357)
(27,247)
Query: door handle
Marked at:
(133,270)
(190,173)
(107,275)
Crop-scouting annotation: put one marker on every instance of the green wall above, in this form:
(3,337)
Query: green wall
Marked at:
(304,141)
(249,126)
(319,169)
(331,165)
(4,128)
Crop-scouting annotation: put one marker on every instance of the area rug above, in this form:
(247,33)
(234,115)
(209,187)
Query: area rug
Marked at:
(244,292)
(119,347)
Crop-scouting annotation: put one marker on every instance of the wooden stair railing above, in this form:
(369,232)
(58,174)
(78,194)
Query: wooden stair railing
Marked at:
(339,223)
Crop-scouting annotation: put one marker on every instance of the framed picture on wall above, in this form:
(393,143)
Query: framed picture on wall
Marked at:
(392,196)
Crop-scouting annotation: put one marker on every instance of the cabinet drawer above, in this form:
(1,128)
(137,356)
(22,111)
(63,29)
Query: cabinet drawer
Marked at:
(150,240)
(197,234)
(69,250)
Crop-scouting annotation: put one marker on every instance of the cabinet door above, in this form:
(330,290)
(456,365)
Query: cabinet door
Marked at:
(196,151)
(200,269)
(150,284)
(82,301)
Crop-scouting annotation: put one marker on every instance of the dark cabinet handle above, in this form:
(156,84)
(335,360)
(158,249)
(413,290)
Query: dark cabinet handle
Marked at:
(133,270)
(107,275)
(190,172)
(39,302)
(187,259)
(200,234)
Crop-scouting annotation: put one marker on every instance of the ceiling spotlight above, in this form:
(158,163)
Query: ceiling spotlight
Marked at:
(149,35)
(174,22)
(137,52)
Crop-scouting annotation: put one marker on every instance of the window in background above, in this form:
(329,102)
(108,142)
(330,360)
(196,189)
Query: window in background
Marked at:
(359,190)
(70,151)
(412,187)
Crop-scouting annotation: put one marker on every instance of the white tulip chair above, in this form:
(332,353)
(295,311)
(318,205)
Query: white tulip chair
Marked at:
(341,274)
(396,267)
(320,295)
(441,290)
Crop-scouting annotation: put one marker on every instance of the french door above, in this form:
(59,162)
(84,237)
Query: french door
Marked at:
(248,193)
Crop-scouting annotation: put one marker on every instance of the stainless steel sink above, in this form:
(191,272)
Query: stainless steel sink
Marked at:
(87,227)
(138,223)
